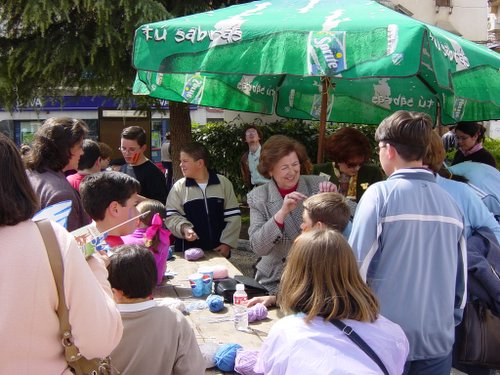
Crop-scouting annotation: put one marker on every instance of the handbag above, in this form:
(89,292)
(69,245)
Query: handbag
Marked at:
(479,333)
(227,287)
(355,338)
(78,364)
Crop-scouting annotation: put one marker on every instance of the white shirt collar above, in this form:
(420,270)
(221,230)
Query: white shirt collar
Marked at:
(134,307)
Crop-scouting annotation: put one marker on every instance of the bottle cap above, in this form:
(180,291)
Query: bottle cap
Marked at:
(240,287)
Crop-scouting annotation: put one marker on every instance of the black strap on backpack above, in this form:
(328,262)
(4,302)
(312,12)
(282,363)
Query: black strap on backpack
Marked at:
(355,338)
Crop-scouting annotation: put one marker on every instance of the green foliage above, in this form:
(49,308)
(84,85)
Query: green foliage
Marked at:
(226,146)
(80,47)
(490,144)
(48,47)
(493,146)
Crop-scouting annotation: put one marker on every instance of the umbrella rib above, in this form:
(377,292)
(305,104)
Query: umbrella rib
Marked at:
(426,84)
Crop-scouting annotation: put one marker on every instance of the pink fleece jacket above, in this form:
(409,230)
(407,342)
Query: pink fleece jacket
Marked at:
(29,326)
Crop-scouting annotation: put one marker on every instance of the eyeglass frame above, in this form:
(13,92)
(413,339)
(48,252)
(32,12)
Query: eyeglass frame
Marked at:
(462,138)
(129,150)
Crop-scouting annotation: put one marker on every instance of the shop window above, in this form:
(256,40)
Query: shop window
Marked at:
(443,3)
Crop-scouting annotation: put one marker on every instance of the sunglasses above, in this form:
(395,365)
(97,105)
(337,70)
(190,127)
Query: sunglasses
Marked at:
(354,165)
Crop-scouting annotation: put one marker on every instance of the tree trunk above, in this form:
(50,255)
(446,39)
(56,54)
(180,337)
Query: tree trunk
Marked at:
(180,133)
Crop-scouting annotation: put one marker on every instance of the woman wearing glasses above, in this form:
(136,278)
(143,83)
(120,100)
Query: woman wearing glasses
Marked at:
(470,137)
(349,150)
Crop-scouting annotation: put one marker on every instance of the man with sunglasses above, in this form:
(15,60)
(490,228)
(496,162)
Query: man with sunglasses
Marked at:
(408,236)
(133,145)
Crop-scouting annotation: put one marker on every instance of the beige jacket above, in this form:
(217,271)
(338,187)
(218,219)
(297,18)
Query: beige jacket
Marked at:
(157,340)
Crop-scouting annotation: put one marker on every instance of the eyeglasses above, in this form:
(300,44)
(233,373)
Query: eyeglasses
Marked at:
(130,150)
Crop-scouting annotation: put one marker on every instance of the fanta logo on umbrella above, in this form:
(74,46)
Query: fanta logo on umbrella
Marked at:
(196,34)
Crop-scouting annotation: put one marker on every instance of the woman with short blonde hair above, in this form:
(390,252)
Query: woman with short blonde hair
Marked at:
(320,283)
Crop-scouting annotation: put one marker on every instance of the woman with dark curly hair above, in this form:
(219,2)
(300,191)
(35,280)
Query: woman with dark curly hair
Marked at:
(57,148)
(470,137)
(349,150)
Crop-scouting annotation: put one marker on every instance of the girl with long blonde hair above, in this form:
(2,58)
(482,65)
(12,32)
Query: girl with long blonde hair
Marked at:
(321,283)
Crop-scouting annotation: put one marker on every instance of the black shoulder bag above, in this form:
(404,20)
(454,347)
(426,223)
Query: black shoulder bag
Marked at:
(355,338)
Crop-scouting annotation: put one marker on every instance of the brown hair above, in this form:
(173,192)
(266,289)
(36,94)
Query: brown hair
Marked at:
(251,126)
(51,147)
(347,143)
(321,278)
(135,133)
(408,132)
(472,128)
(132,269)
(99,190)
(18,201)
(105,150)
(329,208)
(197,151)
(154,207)
(435,153)
(277,147)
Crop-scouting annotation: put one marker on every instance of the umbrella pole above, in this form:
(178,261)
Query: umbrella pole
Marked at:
(325,81)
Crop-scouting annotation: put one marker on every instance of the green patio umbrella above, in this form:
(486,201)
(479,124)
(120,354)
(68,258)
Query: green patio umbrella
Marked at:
(330,60)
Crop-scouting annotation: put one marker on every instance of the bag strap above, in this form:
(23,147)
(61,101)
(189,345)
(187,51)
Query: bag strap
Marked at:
(355,338)
(71,352)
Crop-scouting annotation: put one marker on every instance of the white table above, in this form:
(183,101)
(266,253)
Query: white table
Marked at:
(212,327)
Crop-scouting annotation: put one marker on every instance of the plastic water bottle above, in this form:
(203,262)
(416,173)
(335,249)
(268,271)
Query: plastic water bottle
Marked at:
(240,310)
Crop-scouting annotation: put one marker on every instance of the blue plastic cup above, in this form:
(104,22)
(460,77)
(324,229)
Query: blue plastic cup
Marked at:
(208,277)
(196,282)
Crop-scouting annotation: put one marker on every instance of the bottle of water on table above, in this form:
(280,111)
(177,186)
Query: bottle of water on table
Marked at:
(240,310)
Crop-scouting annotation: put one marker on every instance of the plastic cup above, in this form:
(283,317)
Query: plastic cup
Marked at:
(196,282)
(208,277)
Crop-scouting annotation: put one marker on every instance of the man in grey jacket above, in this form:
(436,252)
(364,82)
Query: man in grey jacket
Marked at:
(408,236)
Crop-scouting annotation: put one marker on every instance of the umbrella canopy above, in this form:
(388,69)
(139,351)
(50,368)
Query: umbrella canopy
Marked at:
(360,59)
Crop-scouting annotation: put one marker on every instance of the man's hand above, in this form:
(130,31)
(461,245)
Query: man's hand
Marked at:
(188,233)
(223,250)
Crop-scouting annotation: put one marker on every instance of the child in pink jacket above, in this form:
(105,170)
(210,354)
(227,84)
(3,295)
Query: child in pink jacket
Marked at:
(151,232)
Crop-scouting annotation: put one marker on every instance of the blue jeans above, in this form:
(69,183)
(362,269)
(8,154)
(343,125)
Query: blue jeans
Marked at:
(434,366)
